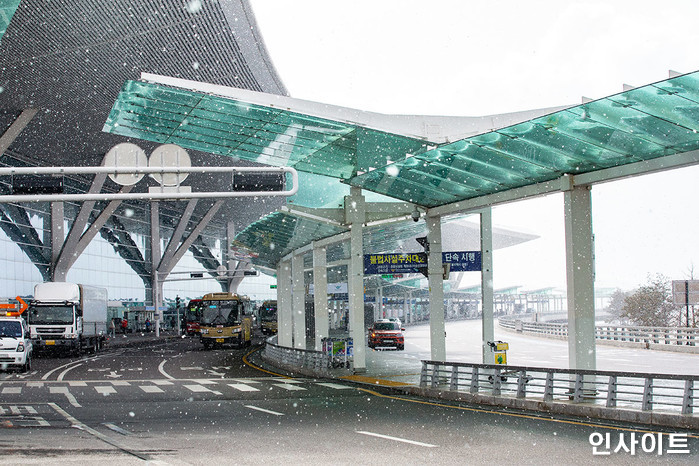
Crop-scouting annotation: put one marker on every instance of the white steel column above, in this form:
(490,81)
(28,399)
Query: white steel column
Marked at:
(580,276)
(436,288)
(57,236)
(298,301)
(320,295)
(488,327)
(379,300)
(355,215)
(284,322)
(155,259)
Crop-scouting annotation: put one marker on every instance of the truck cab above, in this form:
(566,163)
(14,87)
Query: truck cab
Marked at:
(15,345)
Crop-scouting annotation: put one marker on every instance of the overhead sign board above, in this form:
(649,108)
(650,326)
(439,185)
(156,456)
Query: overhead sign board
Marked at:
(380,264)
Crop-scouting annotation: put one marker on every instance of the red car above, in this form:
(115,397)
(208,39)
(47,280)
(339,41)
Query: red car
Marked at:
(386,333)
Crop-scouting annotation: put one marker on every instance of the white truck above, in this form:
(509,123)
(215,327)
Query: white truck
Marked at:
(68,317)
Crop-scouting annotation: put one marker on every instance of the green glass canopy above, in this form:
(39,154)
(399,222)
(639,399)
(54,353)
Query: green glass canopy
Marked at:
(7,10)
(642,124)
(652,121)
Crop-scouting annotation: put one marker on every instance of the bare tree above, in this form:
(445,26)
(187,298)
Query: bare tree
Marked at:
(616,305)
(651,304)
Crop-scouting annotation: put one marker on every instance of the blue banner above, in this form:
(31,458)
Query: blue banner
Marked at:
(396,263)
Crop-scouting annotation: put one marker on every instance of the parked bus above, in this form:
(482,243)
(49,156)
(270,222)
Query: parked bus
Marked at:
(192,316)
(226,318)
(268,317)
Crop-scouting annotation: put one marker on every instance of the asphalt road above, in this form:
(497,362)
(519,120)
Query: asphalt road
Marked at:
(174,403)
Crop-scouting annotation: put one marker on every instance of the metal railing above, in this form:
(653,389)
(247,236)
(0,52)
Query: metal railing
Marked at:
(297,358)
(645,392)
(636,334)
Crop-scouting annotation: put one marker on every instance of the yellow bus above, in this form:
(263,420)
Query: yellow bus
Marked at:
(225,318)
(268,317)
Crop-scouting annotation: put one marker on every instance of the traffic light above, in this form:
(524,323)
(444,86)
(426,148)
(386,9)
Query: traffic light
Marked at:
(177,302)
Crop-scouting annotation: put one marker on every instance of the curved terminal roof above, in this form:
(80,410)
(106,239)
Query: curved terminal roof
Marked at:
(649,128)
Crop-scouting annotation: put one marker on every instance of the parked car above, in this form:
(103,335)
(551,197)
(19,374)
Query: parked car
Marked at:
(385,333)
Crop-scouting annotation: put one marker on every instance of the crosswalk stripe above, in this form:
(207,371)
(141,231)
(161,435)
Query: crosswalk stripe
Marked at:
(122,383)
(197,388)
(105,389)
(204,381)
(151,389)
(11,390)
(336,386)
(77,383)
(288,386)
(243,387)
(161,382)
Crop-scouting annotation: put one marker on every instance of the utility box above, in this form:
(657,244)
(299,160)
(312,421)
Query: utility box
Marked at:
(499,349)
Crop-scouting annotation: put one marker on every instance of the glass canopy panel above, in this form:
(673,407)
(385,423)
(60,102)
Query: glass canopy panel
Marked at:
(252,132)
(277,234)
(7,10)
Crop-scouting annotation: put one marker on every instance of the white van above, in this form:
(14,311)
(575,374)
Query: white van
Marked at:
(15,345)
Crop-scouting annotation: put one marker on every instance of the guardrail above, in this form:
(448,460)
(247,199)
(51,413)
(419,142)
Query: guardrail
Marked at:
(686,336)
(296,358)
(645,392)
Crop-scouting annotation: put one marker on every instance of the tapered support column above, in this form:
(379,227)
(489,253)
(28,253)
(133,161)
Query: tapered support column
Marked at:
(284,321)
(488,326)
(320,296)
(436,288)
(580,276)
(298,301)
(355,215)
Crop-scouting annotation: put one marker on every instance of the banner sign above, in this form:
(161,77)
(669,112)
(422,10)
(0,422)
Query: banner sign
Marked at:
(379,264)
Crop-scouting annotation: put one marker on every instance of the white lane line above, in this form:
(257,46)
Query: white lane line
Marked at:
(247,381)
(397,439)
(79,425)
(203,381)
(35,384)
(62,374)
(162,371)
(193,368)
(77,383)
(281,379)
(117,428)
(151,389)
(264,410)
(105,390)
(243,387)
(12,390)
(336,386)
(288,386)
(69,396)
(122,383)
(48,374)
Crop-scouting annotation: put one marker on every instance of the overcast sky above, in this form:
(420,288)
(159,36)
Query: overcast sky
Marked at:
(475,58)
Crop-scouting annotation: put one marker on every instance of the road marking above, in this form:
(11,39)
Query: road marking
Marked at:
(248,381)
(79,425)
(35,384)
(397,439)
(12,390)
(105,390)
(336,386)
(162,371)
(197,388)
(48,374)
(113,375)
(60,377)
(117,428)
(161,382)
(151,389)
(264,410)
(243,387)
(286,380)
(288,386)
(120,383)
(193,368)
(69,396)
(77,383)
(204,381)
